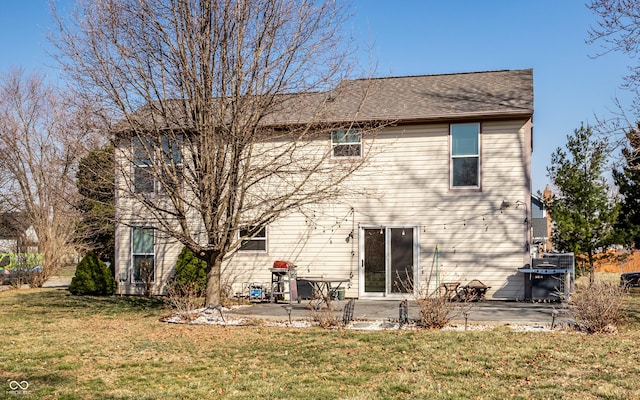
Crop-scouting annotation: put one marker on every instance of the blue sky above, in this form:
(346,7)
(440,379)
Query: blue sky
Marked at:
(433,37)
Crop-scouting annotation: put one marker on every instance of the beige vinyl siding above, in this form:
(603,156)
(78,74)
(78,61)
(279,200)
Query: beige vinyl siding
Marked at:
(404,183)
(166,251)
(407,184)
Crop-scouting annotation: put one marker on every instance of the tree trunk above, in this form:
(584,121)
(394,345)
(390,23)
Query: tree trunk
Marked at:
(592,270)
(214,268)
(233,67)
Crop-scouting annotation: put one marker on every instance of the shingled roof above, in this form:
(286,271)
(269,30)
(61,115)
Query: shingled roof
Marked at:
(448,96)
(423,98)
(419,98)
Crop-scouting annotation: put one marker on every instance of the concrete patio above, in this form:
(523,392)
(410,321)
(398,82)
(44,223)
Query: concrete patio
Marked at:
(483,312)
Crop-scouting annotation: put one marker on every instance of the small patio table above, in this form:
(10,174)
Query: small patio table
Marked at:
(324,290)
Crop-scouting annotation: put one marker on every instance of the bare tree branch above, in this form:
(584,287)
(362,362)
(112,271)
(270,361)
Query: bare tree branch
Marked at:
(227,107)
(618,30)
(42,134)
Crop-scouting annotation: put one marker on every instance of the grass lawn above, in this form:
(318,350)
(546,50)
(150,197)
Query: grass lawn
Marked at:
(68,271)
(69,347)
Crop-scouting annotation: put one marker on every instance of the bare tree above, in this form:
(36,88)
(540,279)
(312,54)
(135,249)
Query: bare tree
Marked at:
(222,103)
(40,139)
(618,30)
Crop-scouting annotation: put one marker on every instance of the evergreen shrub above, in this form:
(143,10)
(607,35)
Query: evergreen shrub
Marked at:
(190,273)
(92,277)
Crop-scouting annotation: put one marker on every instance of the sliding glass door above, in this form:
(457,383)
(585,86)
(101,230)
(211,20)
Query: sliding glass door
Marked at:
(388,260)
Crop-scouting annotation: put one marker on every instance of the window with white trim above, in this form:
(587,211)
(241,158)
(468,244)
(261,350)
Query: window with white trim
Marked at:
(142,164)
(256,240)
(142,254)
(346,144)
(465,155)
(144,157)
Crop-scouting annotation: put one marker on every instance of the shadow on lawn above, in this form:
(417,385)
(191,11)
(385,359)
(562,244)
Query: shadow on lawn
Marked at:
(52,301)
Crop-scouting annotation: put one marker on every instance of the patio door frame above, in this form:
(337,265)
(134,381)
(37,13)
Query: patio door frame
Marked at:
(410,229)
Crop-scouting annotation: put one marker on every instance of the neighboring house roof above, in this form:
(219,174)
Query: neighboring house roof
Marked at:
(13,225)
(408,99)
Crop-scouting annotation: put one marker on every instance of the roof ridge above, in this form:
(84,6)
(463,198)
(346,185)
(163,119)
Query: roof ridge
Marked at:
(438,74)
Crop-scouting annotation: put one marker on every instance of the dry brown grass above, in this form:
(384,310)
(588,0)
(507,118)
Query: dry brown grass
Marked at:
(75,347)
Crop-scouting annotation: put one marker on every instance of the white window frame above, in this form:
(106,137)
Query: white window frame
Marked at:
(142,163)
(143,254)
(454,157)
(338,144)
(170,151)
(254,239)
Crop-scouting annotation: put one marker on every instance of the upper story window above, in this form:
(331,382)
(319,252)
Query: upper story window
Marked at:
(146,170)
(465,155)
(256,242)
(142,160)
(346,144)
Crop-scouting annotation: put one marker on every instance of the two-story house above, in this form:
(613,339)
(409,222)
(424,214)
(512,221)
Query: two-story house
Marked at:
(448,195)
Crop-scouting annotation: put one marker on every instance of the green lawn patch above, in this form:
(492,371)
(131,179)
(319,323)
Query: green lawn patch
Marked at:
(76,347)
